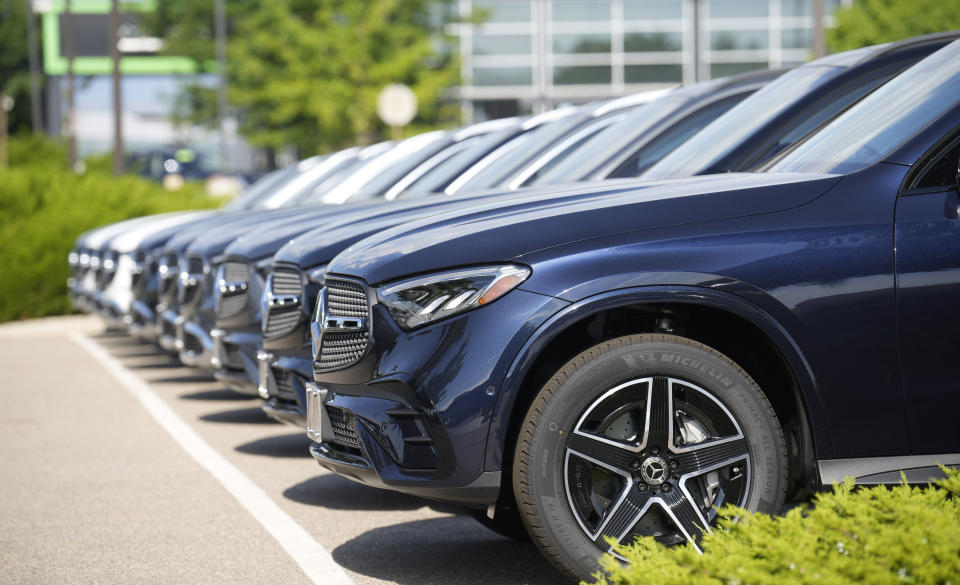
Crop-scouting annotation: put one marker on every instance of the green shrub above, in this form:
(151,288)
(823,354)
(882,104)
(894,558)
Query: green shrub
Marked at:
(44,207)
(878,535)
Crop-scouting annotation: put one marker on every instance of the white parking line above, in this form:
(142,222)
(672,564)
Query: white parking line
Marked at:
(315,561)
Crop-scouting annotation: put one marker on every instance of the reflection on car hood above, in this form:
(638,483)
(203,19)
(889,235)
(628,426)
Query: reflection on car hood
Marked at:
(321,244)
(501,231)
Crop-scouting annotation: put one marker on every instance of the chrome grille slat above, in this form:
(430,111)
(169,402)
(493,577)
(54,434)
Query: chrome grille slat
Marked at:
(284,384)
(188,293)
(167,269)
(282,319)
(232,288)
(338,349)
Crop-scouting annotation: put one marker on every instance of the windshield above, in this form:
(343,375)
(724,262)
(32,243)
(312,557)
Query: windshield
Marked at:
(437,178)
(670,138)
(741,122)
(877,125)
(553,158)
(374,178)
(500,165)
(328,181)
(261,189)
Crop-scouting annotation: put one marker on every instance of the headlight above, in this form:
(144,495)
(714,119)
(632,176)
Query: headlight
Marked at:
(316,275)
(418,301)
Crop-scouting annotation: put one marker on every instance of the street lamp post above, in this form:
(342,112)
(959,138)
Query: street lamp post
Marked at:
(118,162)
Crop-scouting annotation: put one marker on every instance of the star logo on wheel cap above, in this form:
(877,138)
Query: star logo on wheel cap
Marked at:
(654,470)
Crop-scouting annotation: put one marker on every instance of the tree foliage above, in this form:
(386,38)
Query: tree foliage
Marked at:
(44,207)
(306,73)
(869,22)
(14,64)
(877,535)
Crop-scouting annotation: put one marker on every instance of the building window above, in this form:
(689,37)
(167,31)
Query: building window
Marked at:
(796,38)
(487,76)
(571,44)
(725,69)
(652,41)
(652,9)
(581,75)
(580,10)
(503,10)
(739,8)
(502,44)
(653,73)
(734,40)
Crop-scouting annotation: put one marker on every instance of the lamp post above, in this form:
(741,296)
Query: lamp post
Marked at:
(118,162)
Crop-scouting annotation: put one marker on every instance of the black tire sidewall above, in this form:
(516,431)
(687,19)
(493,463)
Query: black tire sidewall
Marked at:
(615,362)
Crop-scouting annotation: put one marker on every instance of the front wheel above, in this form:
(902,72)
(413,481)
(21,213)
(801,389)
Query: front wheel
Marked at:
(643,435)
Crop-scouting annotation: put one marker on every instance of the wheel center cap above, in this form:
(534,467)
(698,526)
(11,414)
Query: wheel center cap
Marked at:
(653,470)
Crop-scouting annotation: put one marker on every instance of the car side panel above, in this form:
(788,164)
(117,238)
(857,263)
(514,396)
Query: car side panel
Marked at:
(823,271)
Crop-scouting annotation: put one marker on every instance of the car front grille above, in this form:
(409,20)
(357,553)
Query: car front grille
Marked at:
(284,382)
(344,426)
(191,282)
(339,349)
(141,271)
(283,302)
(232,289)
(346,299)
(167,270)
(192,344)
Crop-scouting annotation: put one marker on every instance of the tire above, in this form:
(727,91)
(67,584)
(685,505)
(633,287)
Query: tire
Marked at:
(592,454)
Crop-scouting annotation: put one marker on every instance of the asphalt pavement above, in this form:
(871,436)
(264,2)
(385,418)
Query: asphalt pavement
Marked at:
(119,465)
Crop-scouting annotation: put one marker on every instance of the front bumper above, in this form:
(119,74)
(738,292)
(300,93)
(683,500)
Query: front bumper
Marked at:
(414,414)
(235,360)
(167,327)
(143,321)
(283,382)
(194,344)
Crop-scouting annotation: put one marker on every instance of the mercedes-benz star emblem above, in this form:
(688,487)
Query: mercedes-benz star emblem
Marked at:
(654,470)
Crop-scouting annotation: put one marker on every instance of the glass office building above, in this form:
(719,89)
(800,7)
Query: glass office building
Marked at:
(530,55)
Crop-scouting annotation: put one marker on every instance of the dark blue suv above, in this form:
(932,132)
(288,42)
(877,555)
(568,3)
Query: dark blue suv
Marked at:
(621,361)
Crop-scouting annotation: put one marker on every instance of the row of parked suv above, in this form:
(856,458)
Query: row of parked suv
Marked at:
(733,292)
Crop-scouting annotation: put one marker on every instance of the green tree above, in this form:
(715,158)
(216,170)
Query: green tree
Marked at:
(14,67)
(306,73)
(868,22)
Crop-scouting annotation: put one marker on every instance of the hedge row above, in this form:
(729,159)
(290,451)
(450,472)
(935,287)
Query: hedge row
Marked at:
(878,535)
(44,207)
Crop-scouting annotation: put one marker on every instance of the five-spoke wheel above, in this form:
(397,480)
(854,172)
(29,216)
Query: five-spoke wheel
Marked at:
(643,435)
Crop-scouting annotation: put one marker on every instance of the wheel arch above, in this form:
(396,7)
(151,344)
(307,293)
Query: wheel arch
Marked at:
(774,359)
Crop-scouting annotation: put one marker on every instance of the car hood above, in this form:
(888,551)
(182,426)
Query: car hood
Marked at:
(97,238)
(130,239)
(502,231)
(228,224)
(321,244)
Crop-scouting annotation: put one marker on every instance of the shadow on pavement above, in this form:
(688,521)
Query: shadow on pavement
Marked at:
(293,445)
(136,353)
(338,493)
(221,395)
(191,378)
(167,363)
(242,415)
(455,549)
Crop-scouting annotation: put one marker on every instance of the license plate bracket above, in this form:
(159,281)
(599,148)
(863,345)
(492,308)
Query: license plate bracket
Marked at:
(317,421)
(266,386)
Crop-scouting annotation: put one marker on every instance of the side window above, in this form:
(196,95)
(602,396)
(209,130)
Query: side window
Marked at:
(825,111)
(942,170)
